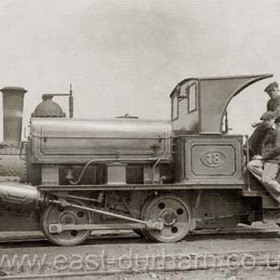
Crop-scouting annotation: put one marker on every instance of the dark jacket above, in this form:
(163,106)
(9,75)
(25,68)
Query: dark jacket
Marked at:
(273,105)
(263,142)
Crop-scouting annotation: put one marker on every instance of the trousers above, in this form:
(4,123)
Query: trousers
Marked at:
(266,173)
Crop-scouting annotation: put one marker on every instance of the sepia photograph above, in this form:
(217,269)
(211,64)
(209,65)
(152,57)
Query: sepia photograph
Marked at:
(140,140)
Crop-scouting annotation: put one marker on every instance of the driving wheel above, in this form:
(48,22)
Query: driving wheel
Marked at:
(55,214)
(173,212)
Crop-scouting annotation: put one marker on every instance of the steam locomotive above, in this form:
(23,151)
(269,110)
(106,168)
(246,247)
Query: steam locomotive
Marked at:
(161,179)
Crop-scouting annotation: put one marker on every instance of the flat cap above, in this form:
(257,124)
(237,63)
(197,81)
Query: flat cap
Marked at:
(269,115)
(271,86)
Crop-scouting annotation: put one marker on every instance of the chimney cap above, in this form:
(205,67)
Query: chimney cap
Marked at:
(13,88)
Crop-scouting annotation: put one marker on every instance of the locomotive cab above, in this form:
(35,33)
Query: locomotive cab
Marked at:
(198,105)
(207,154)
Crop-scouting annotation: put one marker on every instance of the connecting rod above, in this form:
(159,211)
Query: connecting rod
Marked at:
(158,225)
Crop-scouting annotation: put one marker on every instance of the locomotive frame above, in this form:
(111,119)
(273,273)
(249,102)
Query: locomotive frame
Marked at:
(161,179)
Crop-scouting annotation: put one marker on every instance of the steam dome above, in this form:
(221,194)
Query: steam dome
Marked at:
(48,108)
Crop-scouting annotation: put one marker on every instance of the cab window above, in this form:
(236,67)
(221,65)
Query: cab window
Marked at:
(192,98)
(175,108)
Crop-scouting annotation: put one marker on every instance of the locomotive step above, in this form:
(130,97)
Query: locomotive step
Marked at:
(260,193)
(269,203)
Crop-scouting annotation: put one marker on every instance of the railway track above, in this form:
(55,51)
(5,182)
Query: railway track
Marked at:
(130,255)
(34,239)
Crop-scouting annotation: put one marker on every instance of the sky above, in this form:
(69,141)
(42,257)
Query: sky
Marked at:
(126,56)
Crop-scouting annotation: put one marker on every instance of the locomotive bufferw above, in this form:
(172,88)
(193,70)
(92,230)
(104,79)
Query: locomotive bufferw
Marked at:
(162,179)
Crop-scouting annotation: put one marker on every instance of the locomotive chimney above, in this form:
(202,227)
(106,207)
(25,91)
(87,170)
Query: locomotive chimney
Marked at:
(13,109)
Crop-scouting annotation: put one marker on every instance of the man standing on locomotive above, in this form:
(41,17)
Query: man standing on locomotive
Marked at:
(266,154)
(273,104)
